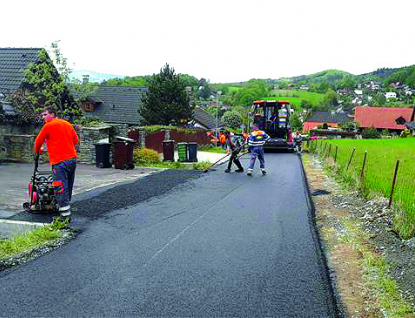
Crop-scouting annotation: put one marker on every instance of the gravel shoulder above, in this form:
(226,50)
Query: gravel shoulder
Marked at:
(339,210)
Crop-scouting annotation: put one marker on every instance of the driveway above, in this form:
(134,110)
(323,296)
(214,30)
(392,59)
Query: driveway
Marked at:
(14,178)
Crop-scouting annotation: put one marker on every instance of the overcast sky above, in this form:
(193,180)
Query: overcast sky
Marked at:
(220,40)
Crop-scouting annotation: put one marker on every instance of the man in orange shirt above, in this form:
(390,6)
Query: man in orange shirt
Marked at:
(60,139)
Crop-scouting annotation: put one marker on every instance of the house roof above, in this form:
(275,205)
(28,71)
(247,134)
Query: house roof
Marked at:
(328,117)
(204,118)
(381,117)
(118,104)
(13,62)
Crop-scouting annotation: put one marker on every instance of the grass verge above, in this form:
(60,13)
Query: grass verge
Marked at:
(361,273)
(18,243)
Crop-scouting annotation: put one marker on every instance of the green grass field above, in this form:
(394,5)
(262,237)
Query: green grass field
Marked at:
(382,156)
(295,96)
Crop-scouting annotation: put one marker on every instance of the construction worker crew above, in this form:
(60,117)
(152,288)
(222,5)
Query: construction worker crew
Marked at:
(256,141)
(236,147)
(60,139)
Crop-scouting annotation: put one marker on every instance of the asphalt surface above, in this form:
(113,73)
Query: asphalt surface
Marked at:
(183,244)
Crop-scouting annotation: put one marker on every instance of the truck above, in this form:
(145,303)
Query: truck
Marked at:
(273,117)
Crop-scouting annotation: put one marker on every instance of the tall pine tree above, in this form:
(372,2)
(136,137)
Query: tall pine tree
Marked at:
(166,101)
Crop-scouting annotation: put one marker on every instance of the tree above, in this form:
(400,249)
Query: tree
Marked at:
(253,90)
(348,81)
(296,122)
(45,85)
(232,119)
(166,101)
(370,133)
(379,99)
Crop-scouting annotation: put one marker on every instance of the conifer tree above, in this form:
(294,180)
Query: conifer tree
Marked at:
(166,101)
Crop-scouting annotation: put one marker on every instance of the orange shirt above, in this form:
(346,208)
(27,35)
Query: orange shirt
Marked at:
(60,139)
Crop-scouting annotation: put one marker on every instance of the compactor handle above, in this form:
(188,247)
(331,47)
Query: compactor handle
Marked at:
(36,161)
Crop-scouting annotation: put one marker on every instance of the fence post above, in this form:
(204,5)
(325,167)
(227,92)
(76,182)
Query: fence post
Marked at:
(335,156)
(328,155)
(363,167)
(351,157)
(393,183)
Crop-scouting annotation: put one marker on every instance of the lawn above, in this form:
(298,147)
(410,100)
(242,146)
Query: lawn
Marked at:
(295,96)
(382,157)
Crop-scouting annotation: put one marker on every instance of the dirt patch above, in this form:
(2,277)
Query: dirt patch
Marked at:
(337,212)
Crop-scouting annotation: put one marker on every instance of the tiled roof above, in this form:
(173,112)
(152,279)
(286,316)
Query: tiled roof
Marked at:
(204,118)
(328,117)
(120,104)
(381,117)
(13,62)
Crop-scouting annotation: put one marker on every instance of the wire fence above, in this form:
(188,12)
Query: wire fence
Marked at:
(375,167)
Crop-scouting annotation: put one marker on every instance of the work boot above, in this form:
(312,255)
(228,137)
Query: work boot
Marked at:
(228,170)
(239,170)
(65,212)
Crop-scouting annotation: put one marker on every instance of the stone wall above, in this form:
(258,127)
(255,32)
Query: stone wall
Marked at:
(88,137)
(15,146)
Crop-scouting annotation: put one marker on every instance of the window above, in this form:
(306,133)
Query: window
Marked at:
(400,120)
(88,106)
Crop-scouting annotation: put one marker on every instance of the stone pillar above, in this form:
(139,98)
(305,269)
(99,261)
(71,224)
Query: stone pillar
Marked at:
(142,135)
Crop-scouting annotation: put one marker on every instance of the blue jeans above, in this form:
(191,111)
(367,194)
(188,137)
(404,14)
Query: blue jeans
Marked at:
(257,152)
(64,172)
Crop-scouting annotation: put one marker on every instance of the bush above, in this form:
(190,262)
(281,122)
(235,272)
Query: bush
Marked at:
(370,133)
(145,156)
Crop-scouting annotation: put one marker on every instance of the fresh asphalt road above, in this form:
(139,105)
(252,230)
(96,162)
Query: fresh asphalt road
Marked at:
(180,244)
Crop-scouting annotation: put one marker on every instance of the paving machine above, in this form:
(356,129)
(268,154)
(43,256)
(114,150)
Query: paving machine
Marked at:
(273,117)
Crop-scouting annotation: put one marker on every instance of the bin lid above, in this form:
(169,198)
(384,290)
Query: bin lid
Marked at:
(104,141)
(119,138)
(168,140)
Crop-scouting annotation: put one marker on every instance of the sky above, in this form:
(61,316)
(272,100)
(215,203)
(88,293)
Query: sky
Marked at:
(222,41)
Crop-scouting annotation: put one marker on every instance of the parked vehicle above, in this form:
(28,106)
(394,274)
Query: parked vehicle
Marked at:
(273,117)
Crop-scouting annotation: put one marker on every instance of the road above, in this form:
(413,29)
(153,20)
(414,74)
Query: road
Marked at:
(181,244)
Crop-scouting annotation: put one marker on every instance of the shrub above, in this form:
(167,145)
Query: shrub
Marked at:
(145,156)
(370,133)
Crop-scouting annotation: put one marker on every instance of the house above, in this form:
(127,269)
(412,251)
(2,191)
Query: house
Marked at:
(331,118)
(202,119)
(393,119)
(13,62)
(390,95)
(115,104)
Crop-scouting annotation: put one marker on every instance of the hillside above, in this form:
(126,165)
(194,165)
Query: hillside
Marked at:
(405,74)
(94,77)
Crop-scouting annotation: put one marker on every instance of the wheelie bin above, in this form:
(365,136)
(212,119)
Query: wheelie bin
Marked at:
(192,151)
(182,151)
(102,155)
(168,150)
(123,153)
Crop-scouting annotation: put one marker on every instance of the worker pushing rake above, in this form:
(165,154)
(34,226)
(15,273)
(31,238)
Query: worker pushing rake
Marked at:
(236,144)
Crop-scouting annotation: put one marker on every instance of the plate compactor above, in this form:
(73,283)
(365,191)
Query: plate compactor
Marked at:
(42,191)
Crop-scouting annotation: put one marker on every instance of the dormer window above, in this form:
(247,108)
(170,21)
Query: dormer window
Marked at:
(400,120)
(88,107)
